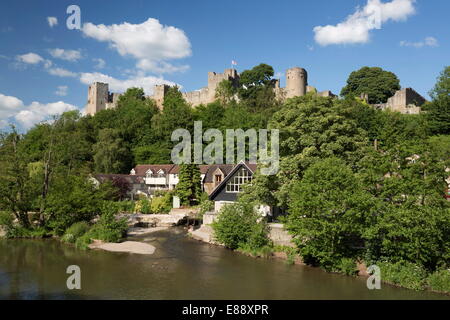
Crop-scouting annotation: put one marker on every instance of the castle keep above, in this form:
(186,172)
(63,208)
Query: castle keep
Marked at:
(99,98)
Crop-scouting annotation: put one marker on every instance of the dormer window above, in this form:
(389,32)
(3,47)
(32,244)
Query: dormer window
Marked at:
(161,174)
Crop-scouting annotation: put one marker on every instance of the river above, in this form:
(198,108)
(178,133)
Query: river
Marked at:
(181,268)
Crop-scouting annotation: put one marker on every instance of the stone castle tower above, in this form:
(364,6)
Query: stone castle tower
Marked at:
(296,82)
(99,98)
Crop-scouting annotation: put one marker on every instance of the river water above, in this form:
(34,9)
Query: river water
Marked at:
(181,268)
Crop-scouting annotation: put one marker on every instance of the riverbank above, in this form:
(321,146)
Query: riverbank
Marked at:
(403,275)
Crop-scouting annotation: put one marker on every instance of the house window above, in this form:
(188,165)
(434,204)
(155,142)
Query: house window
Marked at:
(241,177)
(218,178)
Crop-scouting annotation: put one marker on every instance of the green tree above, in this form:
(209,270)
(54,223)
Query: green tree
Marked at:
(376,82)
(18,191)
(313,128)
(256,88)
(110,154)
(239,226)
(438,111)
(329,211)
(189,185)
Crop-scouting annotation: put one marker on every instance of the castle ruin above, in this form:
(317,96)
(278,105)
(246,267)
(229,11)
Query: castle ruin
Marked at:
(405,101)
(99,97)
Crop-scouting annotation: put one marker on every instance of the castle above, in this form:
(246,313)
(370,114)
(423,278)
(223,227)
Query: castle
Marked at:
(99,98)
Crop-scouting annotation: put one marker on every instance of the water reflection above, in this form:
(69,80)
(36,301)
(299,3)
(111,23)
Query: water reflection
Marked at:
(181,268)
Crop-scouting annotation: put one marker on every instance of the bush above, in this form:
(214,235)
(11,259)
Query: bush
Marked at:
(75,231)
(403,273)
(108,228)
(143,206)
(162,204)
(205,205)
(239,226)
(347,266)
(439,281)
(126,206)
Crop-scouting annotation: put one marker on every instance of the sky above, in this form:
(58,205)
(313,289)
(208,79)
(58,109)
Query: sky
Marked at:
(46,67)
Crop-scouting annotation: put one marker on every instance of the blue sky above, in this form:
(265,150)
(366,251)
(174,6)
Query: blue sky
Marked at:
(45,68)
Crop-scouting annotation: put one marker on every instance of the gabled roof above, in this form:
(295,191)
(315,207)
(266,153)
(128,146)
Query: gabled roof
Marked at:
(248,166)
(141,169)
(225,168)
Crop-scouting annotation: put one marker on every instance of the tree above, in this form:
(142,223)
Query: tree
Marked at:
(240,227)
(376,82)
(438,111)
(18,190)
(175,114)
(110,154)
(189,184)
(410,180)
(256,87)
(313,128)
(329,211)
(225,91)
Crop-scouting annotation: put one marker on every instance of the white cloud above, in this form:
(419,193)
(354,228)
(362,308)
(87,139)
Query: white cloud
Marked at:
(60,72)
(52,21)
(150,42)
(68,55)
(116,85)
(12,108)
(62,91)
(9,105)
(427,42)
(356,28)
(37,112)
(100,63)
(29,58)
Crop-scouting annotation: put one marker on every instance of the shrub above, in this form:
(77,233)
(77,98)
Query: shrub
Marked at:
(239,226)
(403,273)
(347,266)
(143,206)
(108,228)
(205,205)
(75,231)
(439,281)
(126,206)
(162,204)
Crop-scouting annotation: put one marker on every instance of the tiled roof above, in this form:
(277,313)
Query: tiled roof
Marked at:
(141,169)
(129,178)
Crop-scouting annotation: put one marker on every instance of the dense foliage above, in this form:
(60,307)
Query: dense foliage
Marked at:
(239,226)
(375,82)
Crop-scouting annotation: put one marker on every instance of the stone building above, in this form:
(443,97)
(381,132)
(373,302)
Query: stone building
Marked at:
(406,101)
(99,98)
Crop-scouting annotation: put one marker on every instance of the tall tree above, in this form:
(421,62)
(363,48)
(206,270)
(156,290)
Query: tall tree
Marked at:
(438,111)
(189,184)
(376,82)
(110,154)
